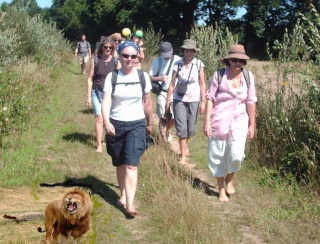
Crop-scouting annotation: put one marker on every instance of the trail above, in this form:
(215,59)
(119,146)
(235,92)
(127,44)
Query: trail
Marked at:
(70,149)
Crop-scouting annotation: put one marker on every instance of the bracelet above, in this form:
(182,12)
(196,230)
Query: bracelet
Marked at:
(204,101)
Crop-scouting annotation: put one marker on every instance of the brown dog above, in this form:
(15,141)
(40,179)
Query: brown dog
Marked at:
(67,217)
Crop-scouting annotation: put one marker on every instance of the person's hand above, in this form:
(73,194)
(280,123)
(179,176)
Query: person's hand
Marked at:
(149,129)
(88,102)
(110,129)
(207,129)
(251,132)
(165,78)
(202,107)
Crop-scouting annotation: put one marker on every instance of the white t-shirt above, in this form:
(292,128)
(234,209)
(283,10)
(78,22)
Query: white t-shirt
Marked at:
(164,68)
(127,98)
(191,76)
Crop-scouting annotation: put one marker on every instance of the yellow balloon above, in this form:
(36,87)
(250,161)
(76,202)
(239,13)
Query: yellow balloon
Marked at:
(126,32)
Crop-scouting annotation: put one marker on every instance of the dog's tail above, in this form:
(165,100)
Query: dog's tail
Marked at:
(40,230)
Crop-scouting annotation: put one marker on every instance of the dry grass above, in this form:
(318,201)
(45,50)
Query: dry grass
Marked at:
(176,203)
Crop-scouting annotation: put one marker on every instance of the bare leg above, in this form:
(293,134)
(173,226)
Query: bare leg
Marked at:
(169,126)
(131,181)
(222,192)
(183,148)
(121,174)
(83,67)
(229,186)
(99,131)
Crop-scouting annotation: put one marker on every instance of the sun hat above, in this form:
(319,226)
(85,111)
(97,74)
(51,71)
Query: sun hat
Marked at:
(125,44)
(190,44)
(166,49)
(237,51)
(116,37)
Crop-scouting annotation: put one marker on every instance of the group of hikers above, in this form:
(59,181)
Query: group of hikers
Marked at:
(120,93)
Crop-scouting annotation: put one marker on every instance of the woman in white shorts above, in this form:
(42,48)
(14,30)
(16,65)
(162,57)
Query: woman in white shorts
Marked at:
(226,122)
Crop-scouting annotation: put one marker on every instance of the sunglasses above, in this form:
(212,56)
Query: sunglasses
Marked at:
(108,47)
(126,56)
(236,60)
(118,41)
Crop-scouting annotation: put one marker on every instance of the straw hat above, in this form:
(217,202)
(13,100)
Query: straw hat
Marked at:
(237,51)
(190,44)
(116,36)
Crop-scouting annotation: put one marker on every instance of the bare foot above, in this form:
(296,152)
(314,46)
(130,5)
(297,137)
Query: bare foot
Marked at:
(99,149)
(183,160)
(229,188)
(222,195)
(131,211)
(122,202)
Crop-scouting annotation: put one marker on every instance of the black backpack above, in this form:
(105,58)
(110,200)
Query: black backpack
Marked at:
(142,82)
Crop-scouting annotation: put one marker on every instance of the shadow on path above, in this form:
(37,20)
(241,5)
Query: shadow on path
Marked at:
(95,186)
(83,138)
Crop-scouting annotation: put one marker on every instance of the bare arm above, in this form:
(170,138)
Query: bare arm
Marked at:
(76,51)
(170,91)
(89,84)
(252,119)
(202,91)
(105,108)
(206,125)
(147,107)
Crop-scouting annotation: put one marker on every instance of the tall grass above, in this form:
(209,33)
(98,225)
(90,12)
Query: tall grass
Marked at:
(30,50)
(214,43)
(288,139)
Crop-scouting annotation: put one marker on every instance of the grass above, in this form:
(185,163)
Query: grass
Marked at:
(172,208)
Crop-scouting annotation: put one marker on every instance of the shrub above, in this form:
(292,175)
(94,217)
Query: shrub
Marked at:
(30,49)
(288,112)
(214,43)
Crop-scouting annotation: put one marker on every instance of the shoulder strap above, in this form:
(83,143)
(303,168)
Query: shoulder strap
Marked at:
(96,62)
(142,83)
(220,73)
(177,75)
(159,65)
(246,76)
(114,79)
(115,60)
(171,61)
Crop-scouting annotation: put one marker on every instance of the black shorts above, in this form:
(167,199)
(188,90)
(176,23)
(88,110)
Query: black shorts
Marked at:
(129,142)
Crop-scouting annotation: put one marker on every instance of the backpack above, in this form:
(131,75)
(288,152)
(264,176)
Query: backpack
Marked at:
(244,71)
(142,82)
(78,45)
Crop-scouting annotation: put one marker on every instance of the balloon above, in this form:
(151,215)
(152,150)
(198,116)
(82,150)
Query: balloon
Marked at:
(139,33)
(126,32)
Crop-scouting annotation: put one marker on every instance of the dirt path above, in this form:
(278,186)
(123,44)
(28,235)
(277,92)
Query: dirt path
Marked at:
(70,149)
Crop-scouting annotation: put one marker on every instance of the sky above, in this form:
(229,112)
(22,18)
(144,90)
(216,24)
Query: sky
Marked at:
(41,3)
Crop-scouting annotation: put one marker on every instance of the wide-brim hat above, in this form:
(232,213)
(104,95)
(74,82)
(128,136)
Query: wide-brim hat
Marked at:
(237,51)
(116,36)
(190,44)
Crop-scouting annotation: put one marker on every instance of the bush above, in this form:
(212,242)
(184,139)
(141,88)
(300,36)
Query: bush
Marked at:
(214,44)
(30,49)
(288,113)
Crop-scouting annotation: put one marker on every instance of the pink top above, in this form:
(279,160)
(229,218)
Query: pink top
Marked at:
(229,116)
